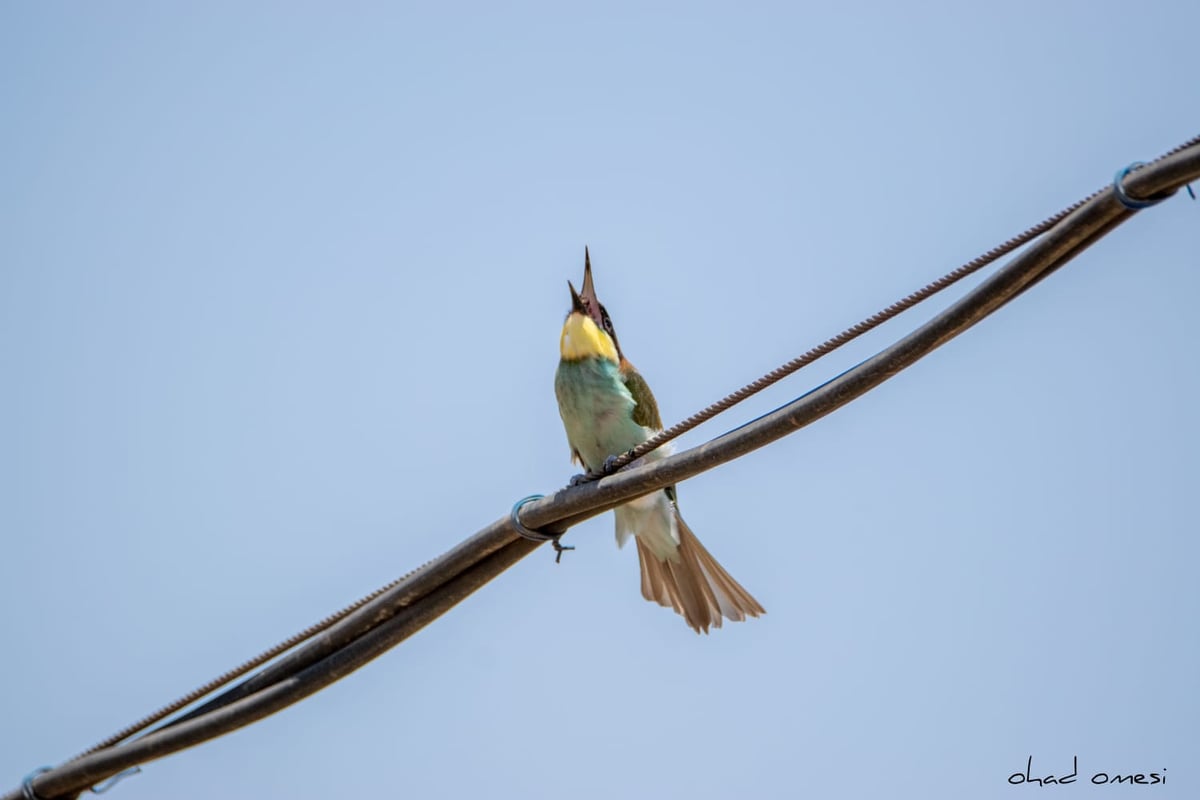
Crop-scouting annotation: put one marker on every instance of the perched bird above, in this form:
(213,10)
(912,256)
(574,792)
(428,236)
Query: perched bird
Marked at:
(607,409)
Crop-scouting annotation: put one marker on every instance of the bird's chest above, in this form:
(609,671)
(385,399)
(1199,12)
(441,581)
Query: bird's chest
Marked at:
(596,409)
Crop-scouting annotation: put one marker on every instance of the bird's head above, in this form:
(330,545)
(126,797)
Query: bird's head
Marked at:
(588,331)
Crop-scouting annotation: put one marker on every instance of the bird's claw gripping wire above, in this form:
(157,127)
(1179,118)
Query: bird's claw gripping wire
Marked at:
(607,468)
(536,536)
(610,463)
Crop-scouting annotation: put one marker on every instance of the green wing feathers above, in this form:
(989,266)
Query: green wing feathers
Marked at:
(645,413)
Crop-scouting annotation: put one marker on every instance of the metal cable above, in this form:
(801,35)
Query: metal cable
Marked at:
(242,669)
(382,619)
(676,430)
(854,331)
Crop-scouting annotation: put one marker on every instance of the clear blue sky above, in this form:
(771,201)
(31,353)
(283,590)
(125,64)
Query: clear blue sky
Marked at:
(280,295)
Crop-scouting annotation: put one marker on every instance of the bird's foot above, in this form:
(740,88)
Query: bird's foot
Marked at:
(577,479)
(609,462)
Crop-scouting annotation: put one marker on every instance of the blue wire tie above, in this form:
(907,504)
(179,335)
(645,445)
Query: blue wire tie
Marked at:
(104,786)
(1131,203)
(532,535)
(27,791)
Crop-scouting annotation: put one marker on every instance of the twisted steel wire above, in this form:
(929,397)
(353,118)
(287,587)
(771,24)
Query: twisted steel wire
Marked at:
(243,668)
(852,333)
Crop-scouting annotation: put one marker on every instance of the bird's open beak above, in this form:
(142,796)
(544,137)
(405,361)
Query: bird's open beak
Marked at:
(577,303)
(586,302)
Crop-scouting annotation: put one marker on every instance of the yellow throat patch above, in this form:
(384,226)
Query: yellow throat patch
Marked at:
(581,338)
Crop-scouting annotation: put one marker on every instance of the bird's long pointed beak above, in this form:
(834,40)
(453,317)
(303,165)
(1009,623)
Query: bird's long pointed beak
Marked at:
(588,295)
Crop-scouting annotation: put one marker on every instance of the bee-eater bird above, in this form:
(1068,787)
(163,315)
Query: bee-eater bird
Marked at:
(608,409)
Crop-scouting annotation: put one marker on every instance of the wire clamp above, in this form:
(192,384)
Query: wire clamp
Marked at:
(532,535)
(27,792)
(1133,204)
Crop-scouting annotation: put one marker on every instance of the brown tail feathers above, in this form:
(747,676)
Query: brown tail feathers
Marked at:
(694,584)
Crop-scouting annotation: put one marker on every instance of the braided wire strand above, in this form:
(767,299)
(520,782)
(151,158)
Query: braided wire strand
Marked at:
(243,668)
(853,332)
(829,345)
